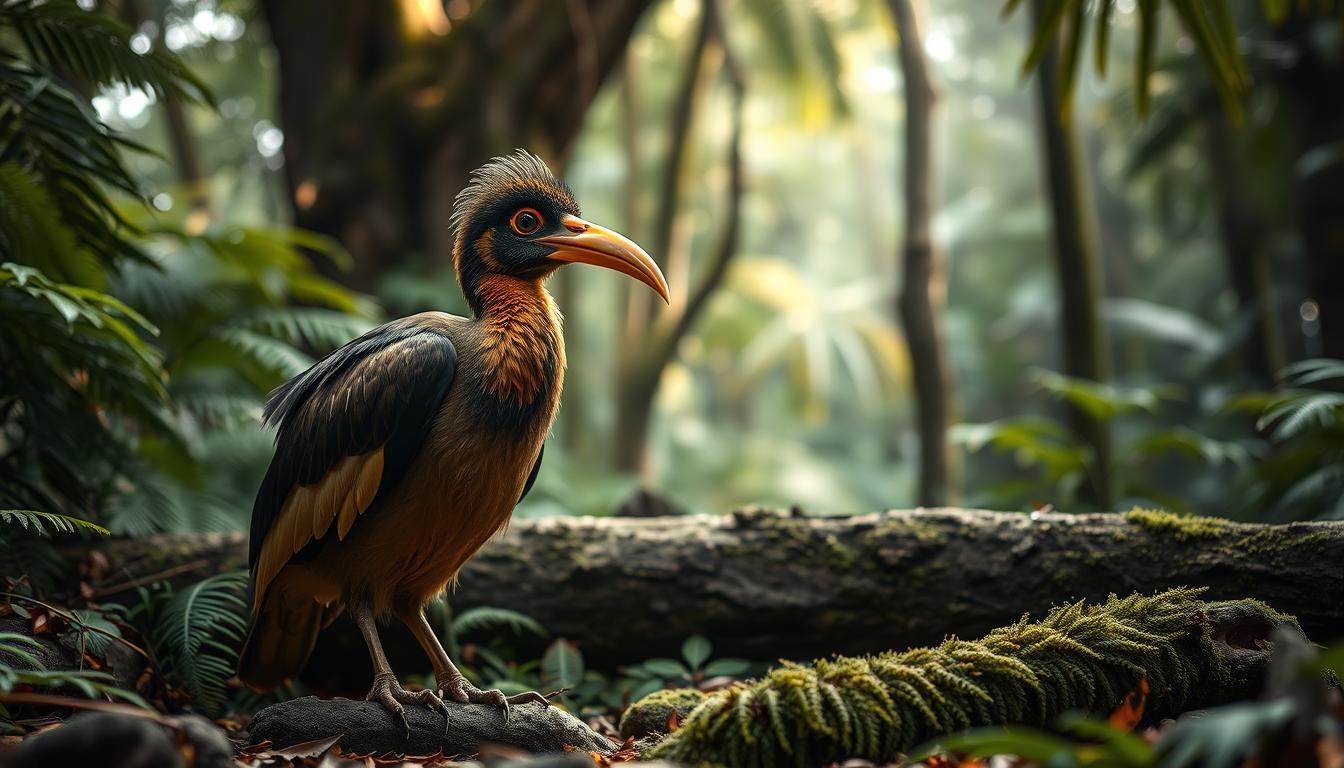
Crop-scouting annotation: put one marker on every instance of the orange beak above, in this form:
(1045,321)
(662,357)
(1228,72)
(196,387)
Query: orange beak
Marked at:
(590,244)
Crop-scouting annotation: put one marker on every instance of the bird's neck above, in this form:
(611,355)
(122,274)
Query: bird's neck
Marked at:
(523,350)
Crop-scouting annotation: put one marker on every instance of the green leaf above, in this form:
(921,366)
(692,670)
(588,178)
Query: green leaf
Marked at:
(668,669)
(695,650)
(561,664)
(727,667)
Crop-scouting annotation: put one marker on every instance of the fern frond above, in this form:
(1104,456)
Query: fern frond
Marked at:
(1312,371)
(39,522)
(1296,411)
(316,328)
(269,353)
(488,617)
(198,633)
(96,48)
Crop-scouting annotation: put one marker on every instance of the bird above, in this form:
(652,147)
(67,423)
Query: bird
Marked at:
(400,454)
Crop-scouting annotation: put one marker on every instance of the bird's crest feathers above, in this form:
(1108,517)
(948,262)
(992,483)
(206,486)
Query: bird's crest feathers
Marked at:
(520,170)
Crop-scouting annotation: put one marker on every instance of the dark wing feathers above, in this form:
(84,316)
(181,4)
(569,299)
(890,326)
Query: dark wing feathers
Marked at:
(381,390)
(532,476)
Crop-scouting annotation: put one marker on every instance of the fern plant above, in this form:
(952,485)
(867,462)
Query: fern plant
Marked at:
(1063,459)
(1304,477)
(132,347)
(25,551)
(196,634)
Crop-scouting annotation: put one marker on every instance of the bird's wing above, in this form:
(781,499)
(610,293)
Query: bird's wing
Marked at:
(349,427)
(532,476)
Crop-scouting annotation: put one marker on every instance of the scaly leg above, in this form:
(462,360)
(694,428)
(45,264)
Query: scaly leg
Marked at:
(386,690)
(452,684)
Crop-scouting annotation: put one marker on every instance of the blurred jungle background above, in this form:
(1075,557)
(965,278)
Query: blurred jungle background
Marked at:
(1082,256)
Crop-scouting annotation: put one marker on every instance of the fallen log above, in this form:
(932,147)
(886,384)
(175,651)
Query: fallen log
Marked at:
(366,728)
(765,584)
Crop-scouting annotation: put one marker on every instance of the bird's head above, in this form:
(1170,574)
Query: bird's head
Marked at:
(515,218)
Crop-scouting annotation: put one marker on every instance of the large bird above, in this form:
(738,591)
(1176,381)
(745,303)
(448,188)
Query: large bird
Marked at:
(401,453)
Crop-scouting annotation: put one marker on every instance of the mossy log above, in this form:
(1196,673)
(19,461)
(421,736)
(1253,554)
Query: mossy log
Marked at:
(1172,650)
(765,584)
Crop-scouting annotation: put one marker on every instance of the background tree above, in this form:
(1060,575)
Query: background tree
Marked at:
(924,285)
(385,113)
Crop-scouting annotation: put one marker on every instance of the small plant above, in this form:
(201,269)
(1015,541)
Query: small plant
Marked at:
(694,669)
(196,632)
(1067,463)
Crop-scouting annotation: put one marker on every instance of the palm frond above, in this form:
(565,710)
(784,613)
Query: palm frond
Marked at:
(53,133)
(198,633)
(1207,23)
(96,48)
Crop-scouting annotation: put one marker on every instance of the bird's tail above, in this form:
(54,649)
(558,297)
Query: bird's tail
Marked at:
(281,635)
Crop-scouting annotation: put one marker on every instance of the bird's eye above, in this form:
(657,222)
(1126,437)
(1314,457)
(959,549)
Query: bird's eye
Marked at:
(525,221)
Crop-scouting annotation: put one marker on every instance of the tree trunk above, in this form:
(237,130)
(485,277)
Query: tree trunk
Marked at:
(385,113)
(645,354)
(1312,86)
(1077,265)
(765,585)
(1242,228)
(924,290)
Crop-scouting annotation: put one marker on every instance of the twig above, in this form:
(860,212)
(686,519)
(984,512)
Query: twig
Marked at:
(53,700)
(151,578)
(76,620)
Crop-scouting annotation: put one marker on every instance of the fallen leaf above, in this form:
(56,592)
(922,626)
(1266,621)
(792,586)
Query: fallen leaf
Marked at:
(1130,711)
(673,721)
(314,748)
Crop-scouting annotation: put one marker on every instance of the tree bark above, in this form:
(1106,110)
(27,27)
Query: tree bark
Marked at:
(385,114)
(924,289)
(765,585)
(1086,346)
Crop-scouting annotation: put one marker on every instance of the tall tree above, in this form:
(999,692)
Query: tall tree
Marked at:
(1245,248)
(1312,80)
(1077,263)
(386,108)
(644,360)
(923,296)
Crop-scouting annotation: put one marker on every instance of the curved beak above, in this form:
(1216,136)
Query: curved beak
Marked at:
(588,243)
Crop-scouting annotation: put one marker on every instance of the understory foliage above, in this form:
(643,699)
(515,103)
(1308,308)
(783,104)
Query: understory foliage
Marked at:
(1079,658)
(132,342)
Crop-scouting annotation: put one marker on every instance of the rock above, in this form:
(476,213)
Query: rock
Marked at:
(103,739)
(650,714)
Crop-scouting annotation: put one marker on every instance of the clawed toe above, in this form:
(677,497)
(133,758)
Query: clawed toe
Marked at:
(459,689)
(388,692)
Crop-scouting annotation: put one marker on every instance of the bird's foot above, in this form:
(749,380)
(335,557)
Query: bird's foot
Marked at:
(388,692)
(458,688)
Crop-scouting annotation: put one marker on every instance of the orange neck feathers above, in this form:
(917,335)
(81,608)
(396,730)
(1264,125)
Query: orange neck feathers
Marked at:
(522,338)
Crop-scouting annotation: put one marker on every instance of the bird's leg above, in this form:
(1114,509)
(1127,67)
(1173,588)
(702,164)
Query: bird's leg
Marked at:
(452,683)
(386,690)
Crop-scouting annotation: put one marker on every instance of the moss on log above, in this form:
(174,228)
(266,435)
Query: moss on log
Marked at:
(1079,657)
